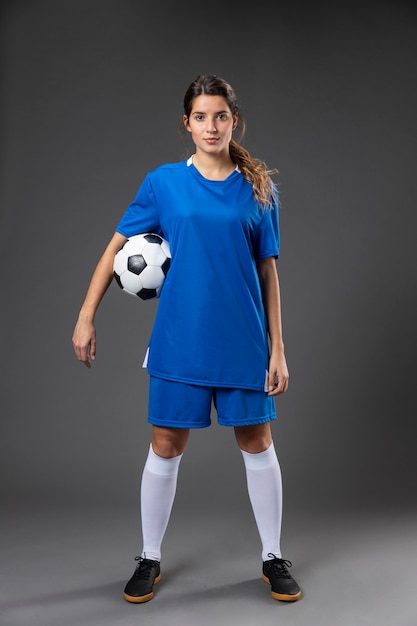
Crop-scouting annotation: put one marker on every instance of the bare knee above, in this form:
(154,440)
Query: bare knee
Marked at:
(254,439)
(169,442)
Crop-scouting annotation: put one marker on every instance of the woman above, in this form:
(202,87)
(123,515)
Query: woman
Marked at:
(217,336)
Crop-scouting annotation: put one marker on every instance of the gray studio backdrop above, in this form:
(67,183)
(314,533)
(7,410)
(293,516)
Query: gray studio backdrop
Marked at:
(91,97)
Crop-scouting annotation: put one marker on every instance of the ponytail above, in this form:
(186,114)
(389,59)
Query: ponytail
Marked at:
(257,174)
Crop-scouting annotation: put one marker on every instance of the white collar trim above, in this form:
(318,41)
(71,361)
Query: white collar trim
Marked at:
(190,162)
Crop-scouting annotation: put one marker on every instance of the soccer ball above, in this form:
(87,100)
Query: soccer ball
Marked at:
(141,265)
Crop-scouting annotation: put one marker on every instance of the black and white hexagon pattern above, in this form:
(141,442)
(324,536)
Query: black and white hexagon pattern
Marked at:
(141,265)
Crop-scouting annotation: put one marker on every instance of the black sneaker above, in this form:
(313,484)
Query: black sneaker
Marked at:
(276,574)
(140,586)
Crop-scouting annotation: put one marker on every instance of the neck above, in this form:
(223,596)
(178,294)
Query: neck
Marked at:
(213,167)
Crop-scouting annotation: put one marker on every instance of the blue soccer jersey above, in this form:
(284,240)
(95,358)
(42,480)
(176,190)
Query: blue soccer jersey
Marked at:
(210,327)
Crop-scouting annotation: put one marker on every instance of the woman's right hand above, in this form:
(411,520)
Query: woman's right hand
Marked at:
(84,341)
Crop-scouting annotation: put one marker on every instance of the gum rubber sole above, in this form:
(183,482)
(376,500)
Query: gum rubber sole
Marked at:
(140,599)
(284,597)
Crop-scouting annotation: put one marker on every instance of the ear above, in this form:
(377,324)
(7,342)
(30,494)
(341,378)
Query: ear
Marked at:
(235,121)
(186,124)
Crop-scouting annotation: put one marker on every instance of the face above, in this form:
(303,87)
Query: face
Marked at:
(211,124)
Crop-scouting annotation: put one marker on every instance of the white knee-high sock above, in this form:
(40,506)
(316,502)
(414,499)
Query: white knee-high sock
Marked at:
(264,481)
(159,483)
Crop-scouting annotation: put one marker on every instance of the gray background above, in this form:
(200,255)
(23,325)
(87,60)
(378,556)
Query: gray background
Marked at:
(91,98)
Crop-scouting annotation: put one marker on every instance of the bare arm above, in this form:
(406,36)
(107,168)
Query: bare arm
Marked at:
(84,337)
(278,370)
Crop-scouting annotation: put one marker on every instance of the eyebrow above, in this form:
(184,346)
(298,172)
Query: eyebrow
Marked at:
(204,112)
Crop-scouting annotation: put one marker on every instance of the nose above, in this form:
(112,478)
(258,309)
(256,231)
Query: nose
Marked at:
(211,125)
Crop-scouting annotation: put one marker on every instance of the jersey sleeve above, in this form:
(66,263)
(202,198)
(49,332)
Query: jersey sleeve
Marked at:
(267,240)
(141,216)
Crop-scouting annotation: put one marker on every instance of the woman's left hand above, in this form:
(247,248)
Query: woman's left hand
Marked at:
(278,375)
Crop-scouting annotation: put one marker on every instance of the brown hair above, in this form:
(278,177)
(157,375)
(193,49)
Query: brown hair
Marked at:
(254,170)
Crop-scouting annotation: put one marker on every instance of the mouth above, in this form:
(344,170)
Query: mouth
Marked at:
(211,140)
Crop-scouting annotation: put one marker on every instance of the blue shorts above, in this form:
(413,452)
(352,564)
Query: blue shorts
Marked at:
(180,405)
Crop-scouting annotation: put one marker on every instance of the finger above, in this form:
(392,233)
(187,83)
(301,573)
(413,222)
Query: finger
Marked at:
(280,386)
(83,358)
(272,381)
(82,355)
(93,349)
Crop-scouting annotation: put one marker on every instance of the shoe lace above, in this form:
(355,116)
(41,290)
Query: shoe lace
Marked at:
(280,566)
(143,568)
